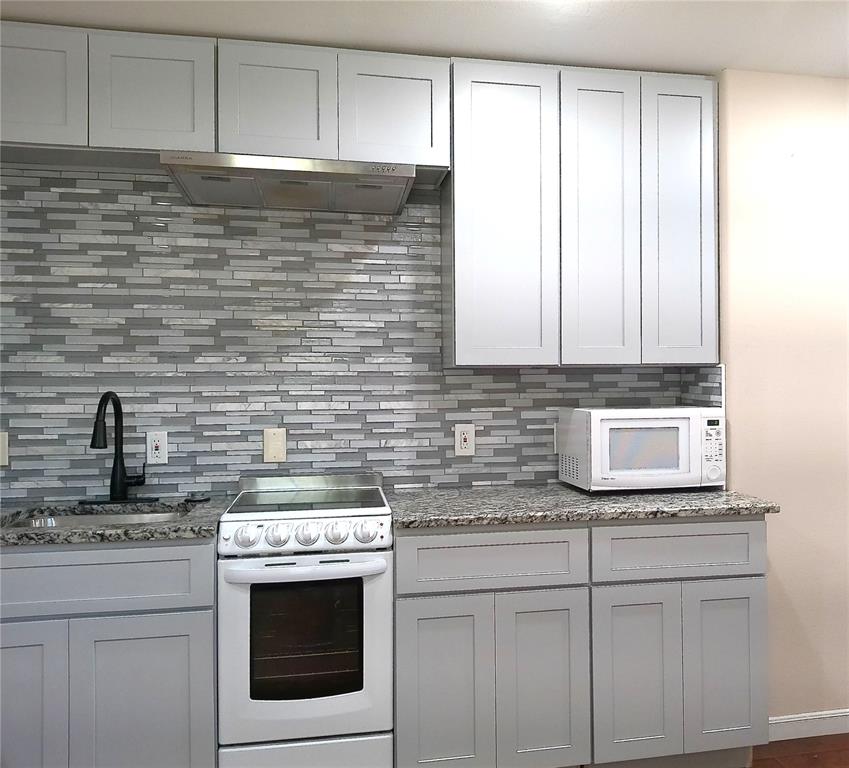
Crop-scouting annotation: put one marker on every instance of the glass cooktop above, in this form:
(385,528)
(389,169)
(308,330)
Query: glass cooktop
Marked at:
(307,500)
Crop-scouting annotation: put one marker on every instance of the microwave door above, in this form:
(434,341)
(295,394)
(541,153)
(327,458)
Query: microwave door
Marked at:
(634,452)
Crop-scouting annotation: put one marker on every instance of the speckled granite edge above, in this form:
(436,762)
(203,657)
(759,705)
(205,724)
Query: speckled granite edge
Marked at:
(522,505)
(201,522)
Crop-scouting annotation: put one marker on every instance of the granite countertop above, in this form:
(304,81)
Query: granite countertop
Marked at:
(200,522)
(514,504)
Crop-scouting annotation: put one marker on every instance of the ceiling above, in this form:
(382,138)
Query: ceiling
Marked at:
(693,36)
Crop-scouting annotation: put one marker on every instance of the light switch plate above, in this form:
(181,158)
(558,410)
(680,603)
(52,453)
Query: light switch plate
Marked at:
(157,447)
(4,449)
(464,439)
(274,445)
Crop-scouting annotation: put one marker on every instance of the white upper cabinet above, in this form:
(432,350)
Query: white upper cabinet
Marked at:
(505,304)
(394,108)
(600,218)
(151,91)
(44,88)
(679,263)
(277,99)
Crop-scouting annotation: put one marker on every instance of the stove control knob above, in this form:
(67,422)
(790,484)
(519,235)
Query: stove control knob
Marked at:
(308,534)
(336,532)
(278,534)
(366,531)
(246,536)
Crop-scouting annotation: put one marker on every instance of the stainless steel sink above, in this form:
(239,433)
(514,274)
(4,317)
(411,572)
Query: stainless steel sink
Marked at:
(70,517)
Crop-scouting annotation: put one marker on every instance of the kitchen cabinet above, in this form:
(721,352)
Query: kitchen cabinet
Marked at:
(276,99)
(394,108)
(501,246)
(638,706)
(141,691)
(33,707)
(445,681)
(600,218)
(151,91)
(679,258)
(43,84)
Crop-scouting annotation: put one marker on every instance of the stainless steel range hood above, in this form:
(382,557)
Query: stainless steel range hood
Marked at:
(255,181)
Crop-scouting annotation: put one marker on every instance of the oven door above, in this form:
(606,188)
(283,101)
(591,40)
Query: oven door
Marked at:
(630,450)
(304,646)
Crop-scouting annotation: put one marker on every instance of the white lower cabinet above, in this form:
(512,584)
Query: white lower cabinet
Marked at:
(34,694)
(494,679)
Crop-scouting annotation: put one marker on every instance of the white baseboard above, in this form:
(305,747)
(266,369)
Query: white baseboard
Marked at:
(809,724)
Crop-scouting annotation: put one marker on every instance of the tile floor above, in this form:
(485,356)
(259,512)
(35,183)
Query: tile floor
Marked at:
(818,752)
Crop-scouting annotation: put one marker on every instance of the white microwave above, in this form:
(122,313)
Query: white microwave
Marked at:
(607,449)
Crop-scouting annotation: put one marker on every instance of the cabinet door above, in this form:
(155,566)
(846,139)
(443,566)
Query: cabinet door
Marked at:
(542,661)
(445,681)
(637,680)
(142,691)
(679,220)
(34,694)
(600,124)
(506,300)
(151,91)
(44,88)
(725,664)
(277,100)
(394,109)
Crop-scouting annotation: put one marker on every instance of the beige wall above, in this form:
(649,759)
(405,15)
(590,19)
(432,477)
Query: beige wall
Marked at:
(784,245)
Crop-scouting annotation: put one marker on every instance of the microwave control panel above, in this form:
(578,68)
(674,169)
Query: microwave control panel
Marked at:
(713,451)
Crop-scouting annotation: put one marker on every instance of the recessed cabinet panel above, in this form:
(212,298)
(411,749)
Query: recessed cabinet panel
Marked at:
(542,640)
(600,155)
(34,694)
(44,89)
(637,678)
(506,250)
(679,260)
(151,91)
(394,108)
(277,99)
(445,681)
(725,664)
(142,691)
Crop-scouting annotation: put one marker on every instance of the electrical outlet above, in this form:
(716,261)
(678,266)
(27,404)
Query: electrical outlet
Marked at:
(4,449)
(464,439)
(554,432)
(273,445)
(157,447)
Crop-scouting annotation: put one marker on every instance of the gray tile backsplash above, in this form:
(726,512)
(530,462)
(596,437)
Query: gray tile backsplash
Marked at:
(215,323)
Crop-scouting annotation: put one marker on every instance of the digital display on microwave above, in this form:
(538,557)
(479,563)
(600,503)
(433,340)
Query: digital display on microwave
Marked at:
(713,422)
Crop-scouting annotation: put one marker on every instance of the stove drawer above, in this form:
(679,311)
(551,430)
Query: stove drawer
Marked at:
(348,752)
(471,561)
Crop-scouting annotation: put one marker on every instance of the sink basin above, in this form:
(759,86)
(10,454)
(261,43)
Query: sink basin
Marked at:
(79,515)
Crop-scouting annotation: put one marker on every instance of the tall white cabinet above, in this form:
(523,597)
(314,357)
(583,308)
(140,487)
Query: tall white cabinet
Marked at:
(504,281)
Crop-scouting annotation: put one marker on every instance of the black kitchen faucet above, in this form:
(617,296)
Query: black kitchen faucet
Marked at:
(120,480)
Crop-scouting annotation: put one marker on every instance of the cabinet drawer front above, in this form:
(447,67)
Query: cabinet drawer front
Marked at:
(684,550)
(103,581)
(471,561)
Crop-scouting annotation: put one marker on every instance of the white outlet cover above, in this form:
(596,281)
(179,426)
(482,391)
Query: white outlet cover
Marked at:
(156,444)
(4,449)
(274,445)
(464,439)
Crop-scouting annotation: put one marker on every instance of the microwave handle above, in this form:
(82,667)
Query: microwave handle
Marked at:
(246,573)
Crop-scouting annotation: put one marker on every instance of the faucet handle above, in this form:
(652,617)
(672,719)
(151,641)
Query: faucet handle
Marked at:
(137,479)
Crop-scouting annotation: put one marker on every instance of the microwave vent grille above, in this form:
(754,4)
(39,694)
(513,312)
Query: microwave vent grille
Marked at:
(569,468)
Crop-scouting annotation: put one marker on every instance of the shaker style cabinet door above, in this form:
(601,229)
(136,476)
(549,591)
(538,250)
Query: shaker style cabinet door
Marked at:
(637,679)
(276,99)
(600,217)
(394,108)
(506,239)
(725,664)
(142,691)
(34,694)
(679,264)
(44,88)
(445,681)
(151,91)
(542,661)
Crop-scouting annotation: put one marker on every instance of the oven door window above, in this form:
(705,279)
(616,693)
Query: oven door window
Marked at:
(306,639)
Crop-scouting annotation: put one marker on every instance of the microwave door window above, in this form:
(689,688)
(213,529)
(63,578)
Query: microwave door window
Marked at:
(306,639)
(640,449)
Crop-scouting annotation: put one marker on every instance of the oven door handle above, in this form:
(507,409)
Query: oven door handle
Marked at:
(246,573)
